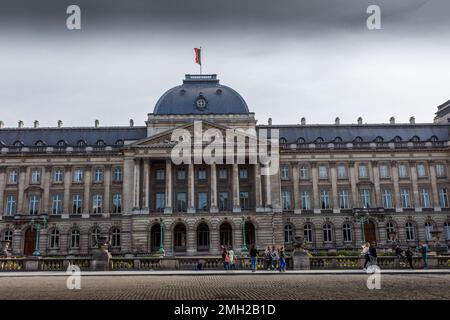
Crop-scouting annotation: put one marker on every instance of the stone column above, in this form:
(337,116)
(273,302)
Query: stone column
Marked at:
(376,183)
(169,188)
(213,195)
(107,202)
(258,191)
(191,189)
(334,188)
(137,184)
(315,182)
(87,190)
(296,187)
(66,196)
(434,188)
(397,200)
(21,205)
(236,204)
(128,185)
(146,185)
(355,199)
(268,186)
(415,187)
(46,196)
(2,190)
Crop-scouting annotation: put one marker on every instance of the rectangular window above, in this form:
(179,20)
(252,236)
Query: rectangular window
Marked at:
(440,170)
(77,203)
(13,176)
(243,173)
(364,195)
(11,205)
(405,197)
(384,171)
(421,171)
(363,172)
(98,175)
(36,176)
(285,172)
(160,202)
(323,172)
(117,203)
(78,175)
(35,201)
(424,198)
(57,204)
(97,203)
(160,174)
(181,201)
(325,199)
(306,200)
(402,171)
(443,198)
(386,197)
(223,201)
(244,200)
(342,171)
(181,174)
(58,176)
(201,174)
(286,200)
(202,201)
(223,173)
(344,202)
(304,172)
(118,175)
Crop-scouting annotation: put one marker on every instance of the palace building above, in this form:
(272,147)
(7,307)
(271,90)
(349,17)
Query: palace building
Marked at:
(337,184)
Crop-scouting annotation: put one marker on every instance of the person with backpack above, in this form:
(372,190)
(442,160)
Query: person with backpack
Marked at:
(253,257)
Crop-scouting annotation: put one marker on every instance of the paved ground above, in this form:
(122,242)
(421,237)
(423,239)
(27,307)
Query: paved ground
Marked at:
(225,286)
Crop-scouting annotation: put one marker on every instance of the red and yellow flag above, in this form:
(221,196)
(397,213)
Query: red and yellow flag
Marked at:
(198,56)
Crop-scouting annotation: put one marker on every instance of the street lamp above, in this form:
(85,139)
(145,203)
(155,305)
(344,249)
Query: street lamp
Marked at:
(361,216)
(161,243)
(39,223)
(244,245)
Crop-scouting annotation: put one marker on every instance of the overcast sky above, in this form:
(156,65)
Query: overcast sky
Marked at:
(287,58)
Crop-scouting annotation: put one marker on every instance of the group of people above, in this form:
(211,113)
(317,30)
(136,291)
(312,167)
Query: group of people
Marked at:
(274,258)
(369,251)
(229,259)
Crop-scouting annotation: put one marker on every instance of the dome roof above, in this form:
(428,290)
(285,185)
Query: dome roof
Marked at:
(201,94)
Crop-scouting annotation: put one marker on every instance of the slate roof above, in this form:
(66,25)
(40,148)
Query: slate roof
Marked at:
(367,132)
(182,99)
(51,136)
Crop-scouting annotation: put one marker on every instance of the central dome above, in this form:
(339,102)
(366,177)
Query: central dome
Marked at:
(201,94)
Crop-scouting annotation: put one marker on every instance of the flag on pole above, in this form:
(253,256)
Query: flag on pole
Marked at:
(198,57)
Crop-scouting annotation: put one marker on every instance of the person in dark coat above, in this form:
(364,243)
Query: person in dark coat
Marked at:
(373,254)
(409,257)
(253,257)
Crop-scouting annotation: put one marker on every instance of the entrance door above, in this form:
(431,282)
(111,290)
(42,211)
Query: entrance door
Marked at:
(30,241)
(369,232)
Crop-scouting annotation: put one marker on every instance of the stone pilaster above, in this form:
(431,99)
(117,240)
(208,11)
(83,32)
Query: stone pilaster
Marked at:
(66,196)
(87,189)
(128,185)
(47,172)
(146,184)
(296,187)
(213,195)
(334,189)
(376,182)
(107,202)
(397,200)
(258,189)
(169,188)
(137,184)
(268,187)
(21,203)
(235,174)
(434,188)
(355,199)
(315,182)
(2,190)
(415,188)
(191,189)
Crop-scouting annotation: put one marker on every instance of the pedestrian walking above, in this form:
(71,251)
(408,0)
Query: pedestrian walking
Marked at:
(232,259)
(373,254)
(365,253)
(423,249)
(399,258)
(274,258)
(267,258)
(282,260)
(253,257)
(226,261)
(409,257)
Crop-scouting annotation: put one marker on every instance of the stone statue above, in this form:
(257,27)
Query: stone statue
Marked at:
(101,258)
(4,253)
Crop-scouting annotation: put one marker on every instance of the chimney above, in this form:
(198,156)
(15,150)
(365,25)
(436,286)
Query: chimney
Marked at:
(337,121)
(360,120)
(392,120)
(269,122)
(131,123)
(97,123)
(20,125)
(412,120)
(303,121)
(1,124)
(60,123)
(36,124)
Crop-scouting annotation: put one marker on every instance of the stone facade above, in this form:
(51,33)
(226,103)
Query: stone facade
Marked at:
(121,182)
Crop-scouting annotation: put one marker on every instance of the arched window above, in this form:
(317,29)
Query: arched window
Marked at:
(300,140)
(40,143)
(338,139)
(75,239)
(61,143)
(288,233)
(358,140)
(249,234)
(347,232)
(179,238)
(390,228)
(410,231)
(95,234)
(428,231)
(379,139)
(415,139)
(319,140)
(54,239)
(115,238)
(119,142)
(434,139)
(18,144)
(397,139)
(202,237)
(327,233)
(155,237)
(100,143)
(81,143)
(308,232)
(447,230)
(283,140)
(226,235)
(8,236)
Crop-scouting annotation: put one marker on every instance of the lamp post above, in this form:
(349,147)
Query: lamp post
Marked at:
(161,236)
(361,216)
(39,223)
(244,245)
